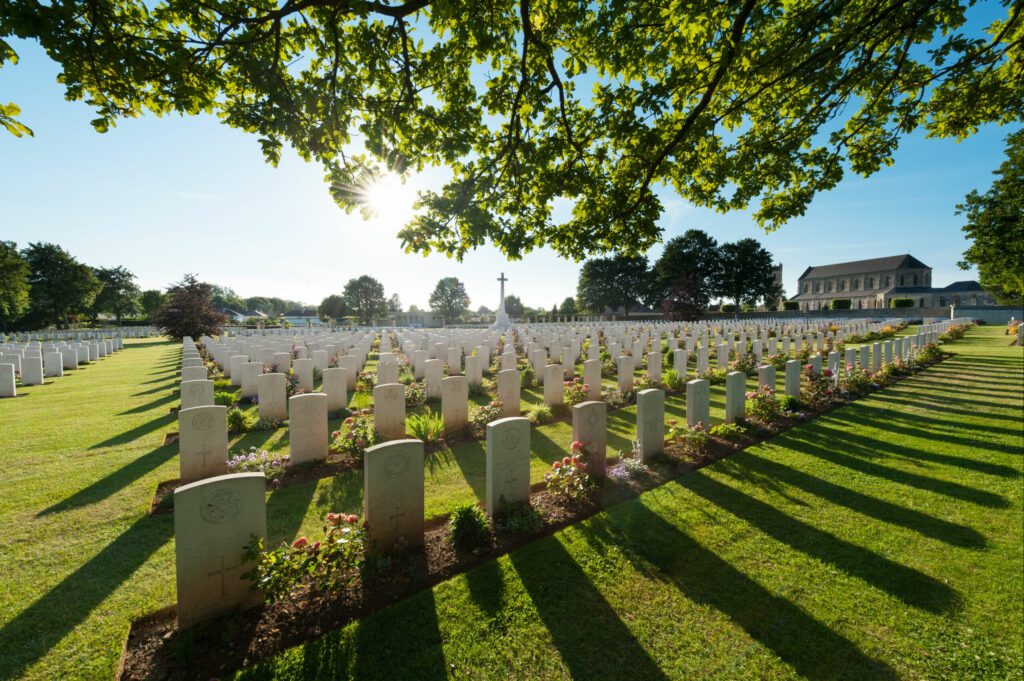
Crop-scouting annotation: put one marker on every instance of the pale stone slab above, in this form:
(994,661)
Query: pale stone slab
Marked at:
(793,378)
(214,519)
(351,365)
(235,363)
(735,396)
(272,396)
(194,374)
(508,361)
(393,481)
(433,374)
(14,360)
(250,373)
(281,362)
(202,442)
(766,376)
(387,372)
(592,378)
(83,354)
(589,426)
(508,392)
(679,362)
(186,362)
(508,462)
(865,357)
(7,385)
(389,410)
(455,403)
(722,355)
(654,364)
(833,362)
(321,360)
(698,402)
(335,386)
(554,386)
(453,359)
(474,370)
(850,358)
(876,357)
(53,364)
(624,372)
(815,363)
(196,394)
(650,422)
(70,358)
(303,369)
(307,427)
(31,370)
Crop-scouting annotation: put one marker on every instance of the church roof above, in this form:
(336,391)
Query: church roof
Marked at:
(842,269)
(963,287)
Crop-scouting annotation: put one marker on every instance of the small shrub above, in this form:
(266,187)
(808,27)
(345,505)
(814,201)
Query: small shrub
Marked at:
(480,416)
(713,376)
(478,390)
(929,354)
(469,528)
(901,302)
(568,480)
(527,378)
(426,426)
(673,380)
(359,434)
(223,397)
(415,395)
(629,465)
(789,404)
(954,332)
(762,406)
(329,564)
(265,424)
(224,384)
(695,440)
(366,381)
(747,363)
(256,460)
(856,380)
(819,391)
(728,307)
(576,391)
(733,432)
(841,304)
(790,305)
(519,518)
(239,421)
(540,414)
(616,398)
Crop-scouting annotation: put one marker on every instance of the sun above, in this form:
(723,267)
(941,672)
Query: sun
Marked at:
(389,200)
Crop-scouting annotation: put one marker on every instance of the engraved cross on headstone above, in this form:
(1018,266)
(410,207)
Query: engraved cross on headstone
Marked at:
(222,572)
(395,517)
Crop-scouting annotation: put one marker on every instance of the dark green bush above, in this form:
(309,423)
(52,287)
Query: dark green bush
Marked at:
(790,305)
(901,302)
(727,307)
(841,304)
(469,528)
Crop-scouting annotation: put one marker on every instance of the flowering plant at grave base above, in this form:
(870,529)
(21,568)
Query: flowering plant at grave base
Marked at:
(804,354)
(365,381)
(819,391)
(645,382)
(616,398)
(265,424)
(929,354)
(576,391)
(630,464)
(747,363)
(955,332)
(359,434)
(777,360)
(673,380)
(332,362)
(329,564)
(415,395)
(527,377)
(856,380)
(733,432)
(568,480)
(257,460)
(608,368)
(713,376)
(763,407)
(695,440)
(1011,327)
(480,416)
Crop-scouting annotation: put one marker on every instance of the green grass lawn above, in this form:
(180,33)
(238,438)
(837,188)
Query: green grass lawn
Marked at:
(916,482)
(881,541)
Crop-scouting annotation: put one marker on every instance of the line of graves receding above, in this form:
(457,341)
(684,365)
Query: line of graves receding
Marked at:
(216,514)
(33,359)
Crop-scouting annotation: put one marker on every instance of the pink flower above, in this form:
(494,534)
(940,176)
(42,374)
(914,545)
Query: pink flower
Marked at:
(315,546)
(581,465)
(361,442)
(349,421)
(577,445)
(335,434)
(566,460)
(556,465)
(299,543)
(352,518)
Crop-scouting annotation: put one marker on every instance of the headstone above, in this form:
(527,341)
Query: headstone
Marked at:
(654,365)
(508,462)
(698,402)
(235,364)
(455,403)
(202,442)
(508,392)
(735,396)
(281,362)
(624,373)
(793,378)
(650,422)
(272,396)
(474,370)
(393,495)
(303,369)
(389,410)
(433,374)
(54,365)
(250,373)
(592,378)
(334,385)
(194,374)
(214,519)
(876,356)
(589,426)
(554,386)
(70,358)
(7,384)
(196,394)
(387,372)
(307,427)
(766,376)
(679,362)
(31,370)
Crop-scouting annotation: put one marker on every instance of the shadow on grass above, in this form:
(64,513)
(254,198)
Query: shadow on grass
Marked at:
(591,639)
(471,458)
(114,481)
(658,549)
(286,509)
(153,404)
(35,630)
(137,432)
(745,466)
(861,465)
(487,587)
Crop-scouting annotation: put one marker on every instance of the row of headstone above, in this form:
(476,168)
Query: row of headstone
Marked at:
(35,361)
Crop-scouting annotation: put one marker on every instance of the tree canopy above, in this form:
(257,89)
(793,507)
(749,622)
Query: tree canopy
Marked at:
(188,310)
(150,301)
(617,282)
(14,283)
(60,285)
(995,226)
(746,274)
(693,256)
(449,299)
(731,104)
(513,306)
(365,299)
(333,307)
(119,294)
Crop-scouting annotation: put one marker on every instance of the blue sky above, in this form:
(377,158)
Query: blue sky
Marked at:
(166,196)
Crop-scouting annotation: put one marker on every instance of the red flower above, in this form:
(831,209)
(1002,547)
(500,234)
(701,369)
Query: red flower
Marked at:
(352,519)
(576,445)
(349,421)
(581,464)
(299,543)
(566,460)
(315,546)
